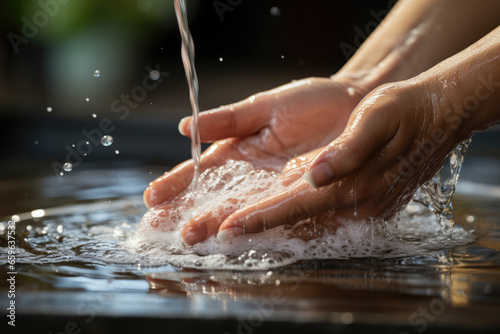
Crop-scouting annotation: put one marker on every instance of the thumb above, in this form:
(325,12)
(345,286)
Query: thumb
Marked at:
(342,157)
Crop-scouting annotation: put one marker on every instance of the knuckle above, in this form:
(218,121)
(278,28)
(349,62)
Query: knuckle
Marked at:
(352,154)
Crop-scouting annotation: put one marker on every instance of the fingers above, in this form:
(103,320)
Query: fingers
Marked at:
(353,148)
(235,120)
(181,176)
(207,224)
(169,184)
(288,207)
(201,227)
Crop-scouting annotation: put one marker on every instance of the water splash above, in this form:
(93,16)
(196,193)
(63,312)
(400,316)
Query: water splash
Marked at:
(192,78)
(438,192)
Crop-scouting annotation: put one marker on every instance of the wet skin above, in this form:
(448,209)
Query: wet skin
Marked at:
(395,139)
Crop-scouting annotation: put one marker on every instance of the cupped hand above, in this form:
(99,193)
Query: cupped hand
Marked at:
(283,122)
(396,139)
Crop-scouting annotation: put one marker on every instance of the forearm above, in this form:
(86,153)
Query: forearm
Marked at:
(469,85)
(418,34)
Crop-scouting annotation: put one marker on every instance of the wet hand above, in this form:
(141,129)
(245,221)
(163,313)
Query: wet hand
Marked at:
(280,123)
(396,139)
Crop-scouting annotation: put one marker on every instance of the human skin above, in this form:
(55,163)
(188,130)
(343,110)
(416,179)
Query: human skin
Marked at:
(389,125)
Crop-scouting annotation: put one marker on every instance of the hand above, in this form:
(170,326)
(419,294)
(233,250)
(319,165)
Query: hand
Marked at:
(396,139)
(283,122)
(165,217)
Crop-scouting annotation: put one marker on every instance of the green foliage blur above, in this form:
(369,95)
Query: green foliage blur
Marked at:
(70,17)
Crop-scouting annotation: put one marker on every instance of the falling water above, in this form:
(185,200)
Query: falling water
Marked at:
(192,79)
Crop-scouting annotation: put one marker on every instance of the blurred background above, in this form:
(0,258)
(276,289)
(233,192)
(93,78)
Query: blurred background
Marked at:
(51,94)
(51,49)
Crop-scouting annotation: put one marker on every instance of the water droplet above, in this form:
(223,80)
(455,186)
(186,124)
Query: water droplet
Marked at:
(73,145)
(106,140)
(97,73)
(282,56)
(87,99)
(36,142)
(68,167)
(221,59)
(117,152)
(61,173)
(49,109)
(87,142)
(275,11)
(94,115)
(470,219)
(154,75)
(38,213)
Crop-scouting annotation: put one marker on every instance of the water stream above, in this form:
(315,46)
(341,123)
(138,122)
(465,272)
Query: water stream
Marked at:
(192,79)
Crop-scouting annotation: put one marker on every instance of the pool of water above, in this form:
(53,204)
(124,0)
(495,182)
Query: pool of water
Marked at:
(71,275)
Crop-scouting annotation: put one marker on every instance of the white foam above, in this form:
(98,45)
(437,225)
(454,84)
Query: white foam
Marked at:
(415,231)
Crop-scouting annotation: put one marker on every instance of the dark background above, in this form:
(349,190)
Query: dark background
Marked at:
(55,69)
(120,38)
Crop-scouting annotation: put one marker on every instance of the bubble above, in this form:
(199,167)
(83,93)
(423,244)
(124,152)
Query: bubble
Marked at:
(154,75)
(87,99)
(97,73)
(68,167)
(221,59)
(117,152)
(94,115)
(36,142)
(239,183)
(275,11)
(49,109)
(87,142)
(61,173)
(282,56)
(106,140)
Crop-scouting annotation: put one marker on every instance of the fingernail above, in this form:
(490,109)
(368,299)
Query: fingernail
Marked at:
(181,125)
(320,175)
(149,197)
(230,233)
(192,236)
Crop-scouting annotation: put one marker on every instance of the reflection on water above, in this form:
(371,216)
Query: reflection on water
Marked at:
(72,249)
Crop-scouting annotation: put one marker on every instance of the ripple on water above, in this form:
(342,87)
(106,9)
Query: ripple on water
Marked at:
(101,232)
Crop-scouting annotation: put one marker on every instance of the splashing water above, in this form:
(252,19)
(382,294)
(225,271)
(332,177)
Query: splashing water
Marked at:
(228,187)
(192,78)
(415,231)
(438,192)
